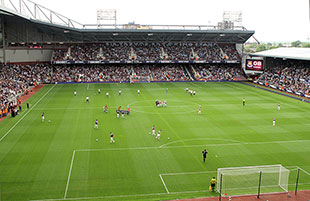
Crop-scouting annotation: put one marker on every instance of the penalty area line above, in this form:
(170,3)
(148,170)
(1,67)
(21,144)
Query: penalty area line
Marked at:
(9,131)
(69,175)
(202,145)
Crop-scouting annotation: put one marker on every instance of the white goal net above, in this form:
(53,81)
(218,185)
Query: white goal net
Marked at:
(247,180)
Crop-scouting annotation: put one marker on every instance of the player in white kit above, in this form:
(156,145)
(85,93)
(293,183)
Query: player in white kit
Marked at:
(274,121)
(107,94)
(87,99)
(279,106)
(112,138)
(99,91)
(74,93)
(138,92)
(153,130)
(199,110)
(120,92)
(96,123)
(42,116)
(158,135)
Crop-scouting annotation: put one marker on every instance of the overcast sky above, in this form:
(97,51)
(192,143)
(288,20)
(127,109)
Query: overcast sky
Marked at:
(272,20)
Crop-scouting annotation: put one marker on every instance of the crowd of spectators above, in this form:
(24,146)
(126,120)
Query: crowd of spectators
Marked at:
(230,52)
(288,75)
(14,81)
(215,72)
(60,54)
(147,51)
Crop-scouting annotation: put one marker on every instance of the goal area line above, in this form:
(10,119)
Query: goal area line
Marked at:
(292,168)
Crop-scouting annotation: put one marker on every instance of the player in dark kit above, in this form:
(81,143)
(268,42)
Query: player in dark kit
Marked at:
(204,155)
(243,101)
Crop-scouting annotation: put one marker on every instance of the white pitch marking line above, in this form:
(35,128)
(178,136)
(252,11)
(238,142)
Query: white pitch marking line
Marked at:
(119,196)
(68,180)
(135,195)
(184,173)
(194,139)
(162,180)
(8,132)
(189,146)
(68,108)
(303,170)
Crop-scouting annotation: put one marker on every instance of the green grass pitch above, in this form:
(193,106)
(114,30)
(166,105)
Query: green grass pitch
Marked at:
(61,159)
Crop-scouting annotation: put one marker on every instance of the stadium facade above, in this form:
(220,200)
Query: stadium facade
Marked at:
(27,37)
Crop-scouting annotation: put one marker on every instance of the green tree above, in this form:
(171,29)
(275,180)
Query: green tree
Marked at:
(261,47)
(273,47)
(269,45)
(296,43)
(307,45)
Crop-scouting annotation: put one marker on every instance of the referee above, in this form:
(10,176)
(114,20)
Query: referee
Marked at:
(204,155)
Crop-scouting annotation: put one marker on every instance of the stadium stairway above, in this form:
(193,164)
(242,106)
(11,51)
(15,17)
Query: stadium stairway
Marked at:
(187,73)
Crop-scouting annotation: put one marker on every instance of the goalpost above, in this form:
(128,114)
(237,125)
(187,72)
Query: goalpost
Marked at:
(252,180)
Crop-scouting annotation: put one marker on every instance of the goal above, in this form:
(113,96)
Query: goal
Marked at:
(252,179)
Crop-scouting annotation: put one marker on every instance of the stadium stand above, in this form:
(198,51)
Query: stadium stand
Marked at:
(144,51)
(292,76)
(58,53)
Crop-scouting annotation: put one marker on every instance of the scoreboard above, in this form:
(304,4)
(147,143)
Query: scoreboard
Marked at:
(254,64)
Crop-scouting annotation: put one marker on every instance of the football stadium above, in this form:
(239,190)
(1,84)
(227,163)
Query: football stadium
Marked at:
(148,112)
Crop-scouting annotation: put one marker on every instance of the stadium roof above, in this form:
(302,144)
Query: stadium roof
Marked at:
(28,27)
(286,53)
